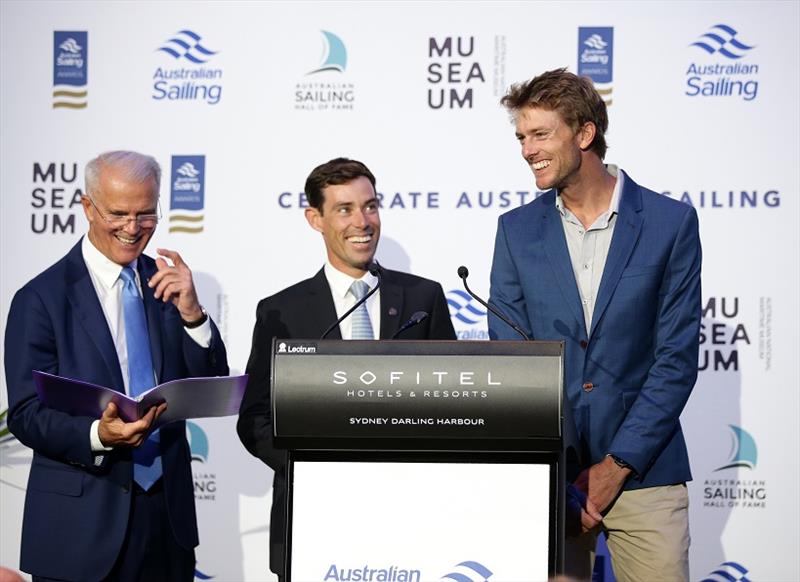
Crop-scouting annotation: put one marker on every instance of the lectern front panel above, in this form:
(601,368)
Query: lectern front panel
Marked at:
(416,521)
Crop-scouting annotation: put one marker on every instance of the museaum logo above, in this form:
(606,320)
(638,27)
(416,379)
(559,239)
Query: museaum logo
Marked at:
(453,72)
(55,197)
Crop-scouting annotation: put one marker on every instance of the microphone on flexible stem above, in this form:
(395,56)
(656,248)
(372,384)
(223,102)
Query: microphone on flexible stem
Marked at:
(417,318)
(463,272)
(374,269)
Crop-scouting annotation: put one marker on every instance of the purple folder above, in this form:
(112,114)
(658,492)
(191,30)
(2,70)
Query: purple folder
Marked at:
(186,398)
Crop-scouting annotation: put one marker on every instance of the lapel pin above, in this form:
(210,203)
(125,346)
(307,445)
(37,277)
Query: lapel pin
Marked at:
(392,311)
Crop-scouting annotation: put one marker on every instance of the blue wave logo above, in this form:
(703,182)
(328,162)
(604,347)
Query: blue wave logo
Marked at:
(5,434)
(71,46)
(744,452)
(722,39)
(334,57)
(728,572)
(198,443)
(201,576)
(596,42)
(464,308)
(188,170)
(470,572)
(186,44)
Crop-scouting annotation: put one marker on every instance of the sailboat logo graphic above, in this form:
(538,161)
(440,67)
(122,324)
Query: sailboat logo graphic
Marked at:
(334,57)
(743,450)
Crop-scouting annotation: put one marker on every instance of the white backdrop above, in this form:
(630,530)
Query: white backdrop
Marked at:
(412,90)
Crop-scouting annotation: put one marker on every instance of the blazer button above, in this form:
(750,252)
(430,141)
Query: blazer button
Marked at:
(588,387)
(126,488)
(584,343)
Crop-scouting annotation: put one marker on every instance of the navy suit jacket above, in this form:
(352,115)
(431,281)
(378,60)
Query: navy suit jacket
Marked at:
(304,311)
(628,379)
(76,513)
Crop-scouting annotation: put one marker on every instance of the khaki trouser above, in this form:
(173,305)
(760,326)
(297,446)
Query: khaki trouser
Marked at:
(647,536)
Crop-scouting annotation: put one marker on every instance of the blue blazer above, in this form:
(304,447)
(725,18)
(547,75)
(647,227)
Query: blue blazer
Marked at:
(628,379)
(76,513)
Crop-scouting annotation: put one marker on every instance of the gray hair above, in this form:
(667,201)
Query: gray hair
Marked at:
(133,165)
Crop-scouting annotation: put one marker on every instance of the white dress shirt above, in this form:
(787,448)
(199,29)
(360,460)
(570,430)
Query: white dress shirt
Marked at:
(588,247)
(343,300)
(105,276)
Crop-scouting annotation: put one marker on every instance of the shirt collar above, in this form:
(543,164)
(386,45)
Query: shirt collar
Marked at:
(106,270)
(340,282)
(613,206)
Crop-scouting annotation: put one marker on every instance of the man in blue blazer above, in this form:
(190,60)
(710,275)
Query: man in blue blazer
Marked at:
(108,500)
(613,270)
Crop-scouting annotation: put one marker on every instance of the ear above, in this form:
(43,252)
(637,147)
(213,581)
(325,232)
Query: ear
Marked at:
(314,218)
(88,209)
(586,135)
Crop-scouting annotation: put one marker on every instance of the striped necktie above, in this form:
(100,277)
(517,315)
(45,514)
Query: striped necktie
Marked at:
(362,327)
(146,457)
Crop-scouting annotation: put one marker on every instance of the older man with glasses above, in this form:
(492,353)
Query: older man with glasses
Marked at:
(106,499)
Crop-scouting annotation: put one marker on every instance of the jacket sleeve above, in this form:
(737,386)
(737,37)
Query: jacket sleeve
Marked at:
(210,361)
(654,415)
(255,414)
(30,344)
(441,326)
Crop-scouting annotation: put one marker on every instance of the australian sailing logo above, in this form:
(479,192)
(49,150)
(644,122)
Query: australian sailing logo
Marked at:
(187,196)
(70,69)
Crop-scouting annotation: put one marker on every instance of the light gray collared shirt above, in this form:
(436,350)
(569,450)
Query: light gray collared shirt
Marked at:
(588,248)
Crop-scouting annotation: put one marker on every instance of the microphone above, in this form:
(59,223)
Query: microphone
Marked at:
(417,318)
(463,272)
(374,269)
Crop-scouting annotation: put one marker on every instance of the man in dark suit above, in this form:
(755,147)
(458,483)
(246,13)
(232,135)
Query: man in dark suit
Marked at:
(613,270)
(106,499)
(344,209)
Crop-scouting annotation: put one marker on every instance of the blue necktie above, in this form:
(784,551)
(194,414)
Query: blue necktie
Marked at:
(362,327)
(146,457)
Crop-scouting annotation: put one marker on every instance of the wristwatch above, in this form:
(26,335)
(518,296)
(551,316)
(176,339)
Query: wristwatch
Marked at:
(197,322)
(621,463)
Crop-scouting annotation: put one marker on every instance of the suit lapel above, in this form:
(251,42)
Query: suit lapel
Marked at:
(391,305)
(155,315)
(320,308)
(557,255)
(623,241)
(82,297)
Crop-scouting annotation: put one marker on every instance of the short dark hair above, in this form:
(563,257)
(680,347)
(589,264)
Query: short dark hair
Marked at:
(333,173)
(573,97)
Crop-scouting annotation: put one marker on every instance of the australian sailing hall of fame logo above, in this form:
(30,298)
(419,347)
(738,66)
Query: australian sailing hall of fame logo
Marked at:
(326,85)
(205,479)
(732,484)
(186,77)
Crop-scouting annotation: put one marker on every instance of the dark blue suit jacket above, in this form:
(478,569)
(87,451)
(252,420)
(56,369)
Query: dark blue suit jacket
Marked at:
(305,310)
(76,513)
(628,380)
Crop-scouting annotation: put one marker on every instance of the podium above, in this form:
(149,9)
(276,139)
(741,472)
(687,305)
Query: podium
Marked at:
(413,461)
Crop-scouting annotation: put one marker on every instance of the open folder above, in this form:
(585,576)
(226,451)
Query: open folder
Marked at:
(186,398)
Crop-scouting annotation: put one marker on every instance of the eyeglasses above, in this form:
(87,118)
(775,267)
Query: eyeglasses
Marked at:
(117,221)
